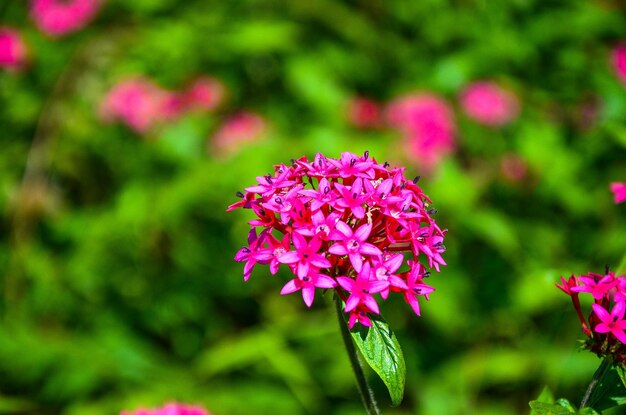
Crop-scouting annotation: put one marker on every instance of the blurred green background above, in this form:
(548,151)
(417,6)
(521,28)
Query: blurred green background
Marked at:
(118,284)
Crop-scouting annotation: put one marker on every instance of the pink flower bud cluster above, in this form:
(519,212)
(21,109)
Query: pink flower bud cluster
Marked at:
(170,409)
(427,123)
(350,224)
(619,191)
(60,17)
(489,104)
(605,326)
(13,51)
(141,104)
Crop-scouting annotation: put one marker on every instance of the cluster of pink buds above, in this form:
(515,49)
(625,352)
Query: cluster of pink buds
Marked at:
(350,224)
(170,409)
(605,327)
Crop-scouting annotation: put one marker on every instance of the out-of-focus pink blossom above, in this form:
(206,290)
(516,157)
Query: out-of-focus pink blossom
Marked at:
(364,113)
(489,104)
(237,131)
(513,167)
(619,191)
(13,51)
(60,17)
(170,409)
(618,58)
(139,103)
(204,93)
(427,123)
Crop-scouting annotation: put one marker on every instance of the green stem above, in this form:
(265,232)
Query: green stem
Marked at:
(367,395)
(597,377)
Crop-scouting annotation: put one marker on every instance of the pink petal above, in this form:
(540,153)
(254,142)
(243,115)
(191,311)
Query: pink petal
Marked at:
(601,328)
(369,249)
(369,301)
(363,232)
(352,303)
(377,286)
(299,242)
(308,295)
(413,303)
(320,262)
(291,286)
(290,257)
(358,212)
(357,261)
(346,283)
(338,249)
(344,229)
(620,335)
(601,313)
(618,310)
(324,281)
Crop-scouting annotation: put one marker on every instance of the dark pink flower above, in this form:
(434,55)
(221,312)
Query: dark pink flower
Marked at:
(619,191)
(170,409)
(489,104)
(13,51)
(364,113)
(618,58)
(351,230)
(237,131)
(60,17)
(427,123)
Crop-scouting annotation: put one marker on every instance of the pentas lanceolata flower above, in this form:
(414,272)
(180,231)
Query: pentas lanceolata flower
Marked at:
(605,326)
(350,224)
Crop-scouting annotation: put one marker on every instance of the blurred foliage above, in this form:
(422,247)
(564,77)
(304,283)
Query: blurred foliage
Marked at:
(119,287)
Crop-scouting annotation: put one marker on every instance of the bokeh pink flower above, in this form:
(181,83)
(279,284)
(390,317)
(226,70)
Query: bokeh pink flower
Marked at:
(139,103)
(619,191)
(61,17)
(170,409)
(426,122)
(237,131)
(513,167)
(348,224)
(205,93)
(13,50)
(489,104)
(364,113)
(618,58)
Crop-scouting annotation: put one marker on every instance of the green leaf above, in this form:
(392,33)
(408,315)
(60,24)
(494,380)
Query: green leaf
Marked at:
(381,350)
(610,391)
(543,408)
(545,396)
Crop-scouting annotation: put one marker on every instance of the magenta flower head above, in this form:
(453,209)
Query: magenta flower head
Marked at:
(605,325)
(61,17)
(204,94)
(618,59)
(170,409)
(426,123)
(619,191)
(348,224)
(489,104)
(13,51)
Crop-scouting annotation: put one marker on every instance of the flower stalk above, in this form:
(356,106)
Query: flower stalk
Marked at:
(602,370)
(367,395)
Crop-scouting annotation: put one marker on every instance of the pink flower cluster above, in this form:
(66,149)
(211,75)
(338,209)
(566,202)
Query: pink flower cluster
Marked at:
(605,327)
(170,409)
(350,224)
(364,113)
(618,58)
(619,191)
(237,131)
(60,17)
(13,52)
(141,104)
(427,123)
(489,104)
